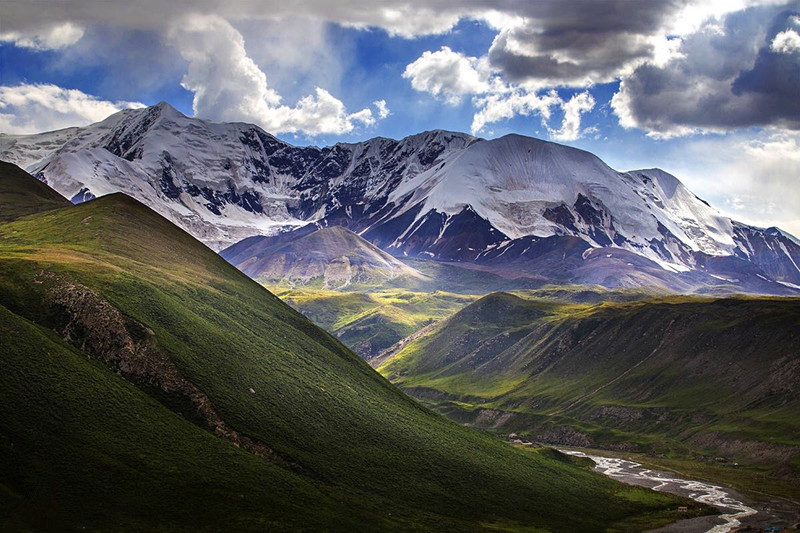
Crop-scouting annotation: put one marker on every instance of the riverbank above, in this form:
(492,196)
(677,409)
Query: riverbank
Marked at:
(737,512)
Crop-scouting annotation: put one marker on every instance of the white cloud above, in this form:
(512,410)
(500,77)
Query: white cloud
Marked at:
(229,86)
(30,108)
(786,42)
(446,74)
(51,37)
(382,108)
(693,16)
(571,126)
(753,178)
(297,53)
(685,67)
(403,20)
(452,75)
(539,45)
(498,106)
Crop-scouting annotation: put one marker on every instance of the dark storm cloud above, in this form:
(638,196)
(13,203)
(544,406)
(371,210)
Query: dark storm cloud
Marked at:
(573,42)
(728,78)
(774,80)
(411,17)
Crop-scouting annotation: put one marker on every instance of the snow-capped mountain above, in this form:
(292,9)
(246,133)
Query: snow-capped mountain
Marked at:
(221,182)
(438,195)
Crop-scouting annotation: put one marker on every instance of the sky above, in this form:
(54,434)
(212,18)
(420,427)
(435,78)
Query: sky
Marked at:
(706,90)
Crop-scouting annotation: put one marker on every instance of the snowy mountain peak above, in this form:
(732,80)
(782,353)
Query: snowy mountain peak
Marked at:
(165,107)
(437,194)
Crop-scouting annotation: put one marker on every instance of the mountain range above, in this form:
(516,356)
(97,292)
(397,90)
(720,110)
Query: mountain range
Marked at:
(515,205)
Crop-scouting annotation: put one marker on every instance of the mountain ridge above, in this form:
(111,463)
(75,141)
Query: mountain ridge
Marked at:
(439,195)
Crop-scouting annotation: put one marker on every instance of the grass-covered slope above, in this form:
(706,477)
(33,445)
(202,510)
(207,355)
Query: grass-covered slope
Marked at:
(20,195)
(147,384)
(371,322)
(683,375)
(381,321)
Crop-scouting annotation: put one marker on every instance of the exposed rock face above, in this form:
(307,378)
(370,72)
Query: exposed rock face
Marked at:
(92,324)
(564,436)
(492,418)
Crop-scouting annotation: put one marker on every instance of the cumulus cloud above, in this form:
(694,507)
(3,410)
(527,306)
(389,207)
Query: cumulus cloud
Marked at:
(541,45)
(382,108)
(727,77)
(786,42)
(297,52)
(407,19)
(30,108)
(452,75)
(573,108)
(229,86)
(446,74)
(569,57)
(49,37)
(684,66)
(497,106)
(656,49)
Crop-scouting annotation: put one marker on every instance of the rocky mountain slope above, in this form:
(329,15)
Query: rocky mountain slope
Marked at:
(156,387)
(436,195)
(692,376)
(332,258)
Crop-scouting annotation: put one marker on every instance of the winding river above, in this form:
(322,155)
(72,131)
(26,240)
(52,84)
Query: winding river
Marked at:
(733,510)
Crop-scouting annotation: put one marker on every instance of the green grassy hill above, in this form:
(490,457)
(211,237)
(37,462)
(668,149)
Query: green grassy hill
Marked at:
(370,322)
(716,380)
(147,384)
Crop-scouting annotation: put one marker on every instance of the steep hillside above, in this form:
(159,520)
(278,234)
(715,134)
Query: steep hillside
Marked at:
(154,386)
(437,195)
(331,258)
(687,376)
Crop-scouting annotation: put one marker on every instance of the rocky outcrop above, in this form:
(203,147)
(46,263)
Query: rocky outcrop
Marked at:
(564,436)
(85,319)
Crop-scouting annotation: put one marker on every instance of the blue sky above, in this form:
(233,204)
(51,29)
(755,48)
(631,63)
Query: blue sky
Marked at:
(706,90)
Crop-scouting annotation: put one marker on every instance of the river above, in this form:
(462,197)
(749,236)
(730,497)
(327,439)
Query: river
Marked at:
(734,510)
